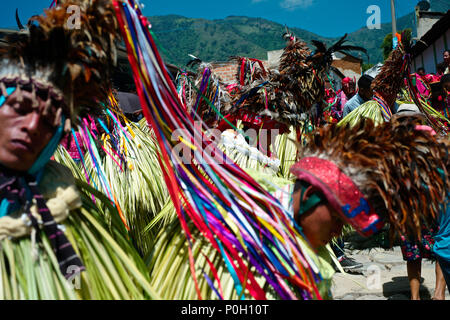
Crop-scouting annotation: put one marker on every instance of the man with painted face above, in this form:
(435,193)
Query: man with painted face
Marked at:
(46,223)
(24,129)
(346,175)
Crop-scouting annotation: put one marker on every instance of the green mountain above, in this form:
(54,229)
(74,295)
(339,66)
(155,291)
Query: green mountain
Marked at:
(217,40)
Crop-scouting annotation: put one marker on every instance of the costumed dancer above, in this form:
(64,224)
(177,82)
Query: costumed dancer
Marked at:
(207,94)
(440,96)
(330,99)
(394,75)
(294,95)
(50,232)
(350,175)
(385,87)
(342,178)
(234,228)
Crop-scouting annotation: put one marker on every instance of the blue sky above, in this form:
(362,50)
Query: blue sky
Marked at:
(324,17)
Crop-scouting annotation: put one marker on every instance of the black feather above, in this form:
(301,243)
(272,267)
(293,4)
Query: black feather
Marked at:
(19,24)
(352,48)
(321,47)
(338,44)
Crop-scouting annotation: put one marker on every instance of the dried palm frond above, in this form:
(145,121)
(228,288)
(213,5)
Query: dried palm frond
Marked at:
(137,186)
(114,269)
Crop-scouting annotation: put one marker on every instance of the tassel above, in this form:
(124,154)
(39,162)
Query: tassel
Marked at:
(35,102)
(19,95)
(57,121)
(34,247)
(67,126)
(47,106)
(3,90)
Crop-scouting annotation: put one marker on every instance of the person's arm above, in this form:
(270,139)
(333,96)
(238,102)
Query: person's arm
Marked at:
(347,109)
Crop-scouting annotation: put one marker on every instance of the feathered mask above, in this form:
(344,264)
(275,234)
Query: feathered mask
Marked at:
(388,82)
(394,172)
(67,64)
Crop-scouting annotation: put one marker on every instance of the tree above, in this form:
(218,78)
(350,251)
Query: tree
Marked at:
(387,42)
(366,66)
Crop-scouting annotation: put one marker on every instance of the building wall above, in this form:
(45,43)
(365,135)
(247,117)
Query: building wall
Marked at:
(349,67)
(433,54)
(227,71)
(424,24)
(428,58)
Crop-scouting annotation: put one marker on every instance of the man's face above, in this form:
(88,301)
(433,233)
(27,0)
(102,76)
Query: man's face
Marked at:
(321,224)
(24,131)
(447,57)
(366,94)
(421,72)
(349,88)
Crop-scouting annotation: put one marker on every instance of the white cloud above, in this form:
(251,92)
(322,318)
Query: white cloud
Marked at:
(296,4)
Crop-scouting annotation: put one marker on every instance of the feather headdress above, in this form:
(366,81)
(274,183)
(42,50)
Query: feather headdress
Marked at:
(389,81)
(386,86)
(297,87)
(209,98)
(68,62)
(401,171)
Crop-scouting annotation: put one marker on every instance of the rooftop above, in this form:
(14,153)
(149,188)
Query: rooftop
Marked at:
(438,29)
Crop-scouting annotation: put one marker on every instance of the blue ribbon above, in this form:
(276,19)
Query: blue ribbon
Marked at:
(9,91)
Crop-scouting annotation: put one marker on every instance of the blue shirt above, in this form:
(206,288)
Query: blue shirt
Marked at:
(352,104)
(442,239)
(356,101)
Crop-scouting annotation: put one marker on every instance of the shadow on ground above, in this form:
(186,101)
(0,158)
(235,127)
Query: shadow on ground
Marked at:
(355,241)
(398,289)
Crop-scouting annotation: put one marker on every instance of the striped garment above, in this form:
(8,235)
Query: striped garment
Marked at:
(13,188)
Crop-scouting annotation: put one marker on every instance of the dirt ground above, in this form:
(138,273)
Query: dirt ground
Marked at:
(383,277)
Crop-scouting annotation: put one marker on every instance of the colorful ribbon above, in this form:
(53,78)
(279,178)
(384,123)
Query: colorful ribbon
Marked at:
(244,223)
